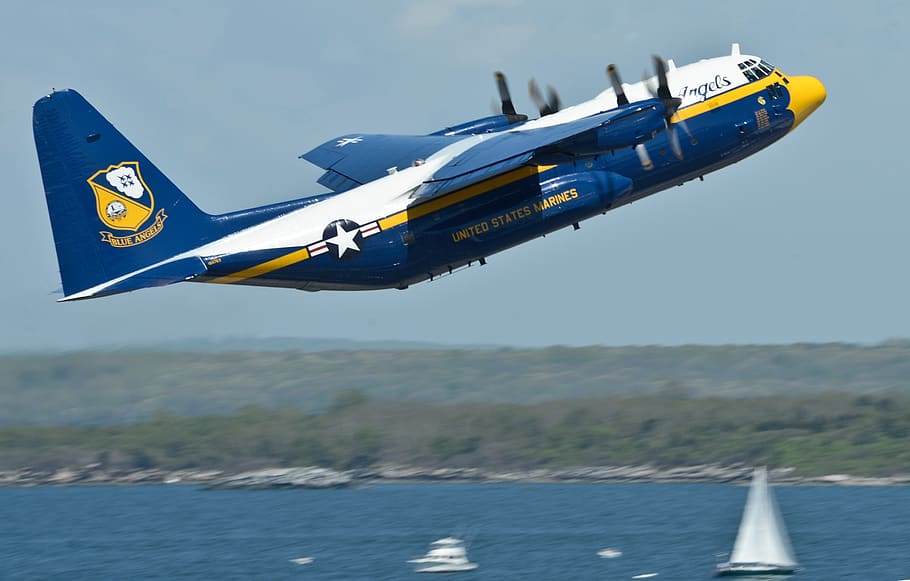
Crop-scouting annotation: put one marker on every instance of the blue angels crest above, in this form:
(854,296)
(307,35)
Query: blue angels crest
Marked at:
(125,202)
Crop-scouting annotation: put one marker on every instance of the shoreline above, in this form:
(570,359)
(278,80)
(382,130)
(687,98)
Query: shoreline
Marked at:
(320,478)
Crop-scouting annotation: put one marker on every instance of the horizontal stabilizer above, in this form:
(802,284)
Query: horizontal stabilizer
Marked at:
(160,275)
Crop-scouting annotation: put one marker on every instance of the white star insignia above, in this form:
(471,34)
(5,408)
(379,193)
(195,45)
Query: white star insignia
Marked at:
(344,240)
(347,141)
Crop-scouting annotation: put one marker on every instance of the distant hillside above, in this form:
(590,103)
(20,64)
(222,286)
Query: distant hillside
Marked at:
(307,345)
(821,434)
(128,386)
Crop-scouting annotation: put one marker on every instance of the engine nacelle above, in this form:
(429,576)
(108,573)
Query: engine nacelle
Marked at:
(639,122)
(482,125)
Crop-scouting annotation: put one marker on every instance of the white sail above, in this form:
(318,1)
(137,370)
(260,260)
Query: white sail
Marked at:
(762,536)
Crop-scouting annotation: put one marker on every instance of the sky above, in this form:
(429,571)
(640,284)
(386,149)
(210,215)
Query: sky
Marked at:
(804,242)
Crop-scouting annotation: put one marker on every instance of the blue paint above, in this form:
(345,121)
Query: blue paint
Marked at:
(595,168)
(604,182)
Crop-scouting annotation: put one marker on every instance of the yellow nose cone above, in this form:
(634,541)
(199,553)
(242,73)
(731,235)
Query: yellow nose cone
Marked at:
(806,95)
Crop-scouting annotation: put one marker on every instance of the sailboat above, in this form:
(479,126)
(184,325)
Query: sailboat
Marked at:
(762,546)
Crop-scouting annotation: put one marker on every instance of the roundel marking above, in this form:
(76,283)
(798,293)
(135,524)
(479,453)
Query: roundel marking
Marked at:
(343,238)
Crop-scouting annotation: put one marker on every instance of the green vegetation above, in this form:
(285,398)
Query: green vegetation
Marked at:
(118,387)
(818,434)
(820,408)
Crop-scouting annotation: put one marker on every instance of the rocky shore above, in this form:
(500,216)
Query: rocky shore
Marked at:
(316,477)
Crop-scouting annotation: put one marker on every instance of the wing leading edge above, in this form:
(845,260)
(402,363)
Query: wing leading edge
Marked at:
(622,127)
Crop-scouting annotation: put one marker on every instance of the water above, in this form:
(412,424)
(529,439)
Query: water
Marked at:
(516,531)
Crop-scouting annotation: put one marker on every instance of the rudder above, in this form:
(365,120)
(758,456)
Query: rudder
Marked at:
(112,211)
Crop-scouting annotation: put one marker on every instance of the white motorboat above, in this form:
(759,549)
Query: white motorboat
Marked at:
(609,553)
(446,555)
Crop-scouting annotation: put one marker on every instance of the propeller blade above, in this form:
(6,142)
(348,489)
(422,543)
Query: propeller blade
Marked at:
(538,99)
(553,99)
(674,141)
(646,81)
(643,157)
(671,103)
(507,107)
(663,89)
(546,106)
(621,98)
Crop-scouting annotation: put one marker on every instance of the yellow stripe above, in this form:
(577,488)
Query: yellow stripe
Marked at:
(483,187)
(265,267)
(723,99)
(396,219)
(459,196)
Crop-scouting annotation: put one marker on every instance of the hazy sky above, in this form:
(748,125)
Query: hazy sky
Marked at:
(806,241)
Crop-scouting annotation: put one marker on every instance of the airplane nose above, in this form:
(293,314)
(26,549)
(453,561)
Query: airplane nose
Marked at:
(806,95)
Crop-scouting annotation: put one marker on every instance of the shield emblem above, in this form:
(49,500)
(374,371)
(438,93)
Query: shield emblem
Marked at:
(123,200)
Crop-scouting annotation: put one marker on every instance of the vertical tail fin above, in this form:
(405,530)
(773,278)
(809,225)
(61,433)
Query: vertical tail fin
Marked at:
(112,211)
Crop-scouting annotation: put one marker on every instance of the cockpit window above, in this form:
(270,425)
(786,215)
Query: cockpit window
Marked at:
(754,70)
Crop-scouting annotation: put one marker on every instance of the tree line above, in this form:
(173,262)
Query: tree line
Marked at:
(816,434)
(116,387)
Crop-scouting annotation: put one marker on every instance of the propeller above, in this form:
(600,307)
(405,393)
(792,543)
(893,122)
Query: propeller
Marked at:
(621,98)
(506,107)
(548,105)
(671,103)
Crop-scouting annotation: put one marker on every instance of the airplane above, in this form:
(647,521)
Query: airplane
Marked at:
(403,209)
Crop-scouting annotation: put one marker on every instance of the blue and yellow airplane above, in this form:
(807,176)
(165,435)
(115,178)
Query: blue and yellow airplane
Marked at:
(406,208)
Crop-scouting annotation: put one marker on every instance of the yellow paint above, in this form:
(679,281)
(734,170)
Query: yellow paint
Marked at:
(139,237)
(555,200)
(458,196)
(397,219)
(806,95)
(722,99)
(135,213)
(265,267)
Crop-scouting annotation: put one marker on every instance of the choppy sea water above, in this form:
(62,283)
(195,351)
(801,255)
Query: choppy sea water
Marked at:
(515,531)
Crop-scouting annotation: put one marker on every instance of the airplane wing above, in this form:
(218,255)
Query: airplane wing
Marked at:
(355,159)
(507,150)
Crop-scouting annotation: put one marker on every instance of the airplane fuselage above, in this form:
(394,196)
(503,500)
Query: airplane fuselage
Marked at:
(405,209)
(726,117)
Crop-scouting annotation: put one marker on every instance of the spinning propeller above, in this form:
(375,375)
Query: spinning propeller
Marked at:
(621,98)
(507,108)
(546,106)
(549,104)
(671,104)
